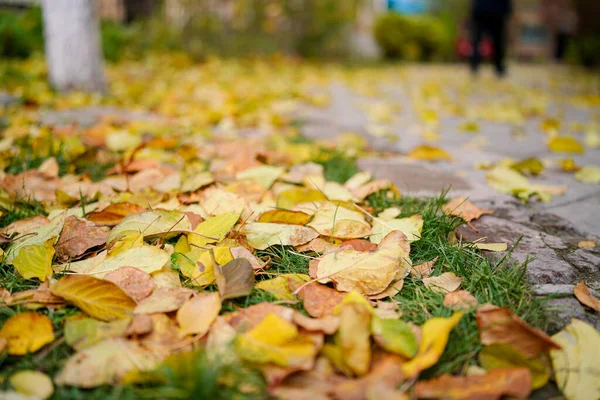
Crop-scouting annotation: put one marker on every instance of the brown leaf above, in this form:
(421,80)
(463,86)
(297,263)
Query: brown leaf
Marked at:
(164,299)
(135,282)
(140,325)
(41,295)
(359,245)
(114,214)
(235,279)
(463,208)
(25,225)
(77,236)
(498,383)
(500,325)
(585,297)
(319,300)
(460,300)
(248,318)
(328,325)
(444,283)
(32,184)
(423,270)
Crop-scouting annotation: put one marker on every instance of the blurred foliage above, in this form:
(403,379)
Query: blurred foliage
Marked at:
(415,37)
(20,33)
(585,51)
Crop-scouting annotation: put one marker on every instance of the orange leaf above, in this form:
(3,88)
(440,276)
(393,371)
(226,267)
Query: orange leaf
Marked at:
(114,214)
(585,297)
(463,208)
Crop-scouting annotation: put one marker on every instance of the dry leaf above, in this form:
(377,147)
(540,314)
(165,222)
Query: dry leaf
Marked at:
(77,236)
(319,300)
(496,247)
(565,144)
(197,315)
(164,299)
(339,222)
(354,333)
(284,217)
(463,208)
(411,227)
(136,283)
(444,283)
(585,297)
(262,235)
(213,229)
(588,174)
(328,325)
(35,261)
(501,355)
(85,332)
(25,225)
(496,384)
(27,333)
(423,270)
(248,318)
(235,279)
(34,384)
(500,325)
(586,244)
(96,297)
(280,287)
(150,223)
(429,153)
(114,214)
(460,300)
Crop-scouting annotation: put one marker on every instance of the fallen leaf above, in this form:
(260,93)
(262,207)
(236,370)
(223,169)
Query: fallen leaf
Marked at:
(461,207)
(292,197)
(585,297)
(25,225)
(339,222)
(35,261)
(411,227)
(140,325)
(358,245)
(496,384)
(34,384)
(145,258)
(354,333)
(265,175)
(85,332)
(114,214)
(319,300)
(369,273)
(77,236)
(435,334)
(568,165)
(531,166)
(149,223)
(262,235)
(197,314)
(423,270)
(284,217)
(460,300)
(280,285)
(195,182)
(589,174)
(392,290)
(213,229)
(27,333)
(496,247)
(501,355)
(509,181)
(235,279)
(136,283)
(444,283)
(395,336)
(328,325)
(500,325)
(429,153)
(586,244)
(565,144)
(105,363)
(248,318)
(576,365)
(96,297)
(164,299)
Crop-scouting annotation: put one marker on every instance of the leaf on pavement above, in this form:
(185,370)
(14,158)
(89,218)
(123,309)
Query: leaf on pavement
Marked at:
(33,384)
(500,325)
(368,273)
(496,384)
(565,144)
(501,355)
(435,334)
(198,313)
(235,279)
(96,297)
(77,236)
(136,283)
(27,333)
(463,208)
(589,174)
(576,366)
(262,235)
(337,221)
(509,181)
(585,297)
(495,247)
(429,153)
(444,283)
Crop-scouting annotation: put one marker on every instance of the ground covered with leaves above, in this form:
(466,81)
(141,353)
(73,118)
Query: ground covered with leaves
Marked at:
(211,251)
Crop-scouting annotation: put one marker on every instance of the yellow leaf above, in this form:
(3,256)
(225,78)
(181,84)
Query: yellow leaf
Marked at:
(35,261)
(280,286)
(339,222)
(85,332)
(27,333)
(496,247)
(501,355)
(284,217)
(198,264)
(96,297)
(568,165)
(577,365)
(435,333)
(32,383)
(195,182)
(197,315)
(429,153)
(146,258)
(122,140)
(292,197)
(565,144)
(265,175)
(411,227)
(262,235)
(213,229)
(589,174)
(506,180)
(124,241)
(157,222)
(586,244)
(275,340)
(368,273)
(354,333)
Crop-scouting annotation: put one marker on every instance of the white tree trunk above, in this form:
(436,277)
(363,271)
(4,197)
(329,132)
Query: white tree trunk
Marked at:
(72,39)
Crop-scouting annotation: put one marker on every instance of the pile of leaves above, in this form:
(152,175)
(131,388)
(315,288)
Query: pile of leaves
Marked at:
(188,256)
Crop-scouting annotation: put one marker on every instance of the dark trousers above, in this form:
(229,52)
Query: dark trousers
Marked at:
(495,28)
(560,46)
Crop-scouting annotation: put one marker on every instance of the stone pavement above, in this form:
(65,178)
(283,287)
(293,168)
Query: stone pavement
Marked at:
(549,232)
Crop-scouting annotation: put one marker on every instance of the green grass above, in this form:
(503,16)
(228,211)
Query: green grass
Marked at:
(21,209)
(337,166)
(498,282)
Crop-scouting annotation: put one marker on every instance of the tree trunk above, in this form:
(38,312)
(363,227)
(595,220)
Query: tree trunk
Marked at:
(72,39)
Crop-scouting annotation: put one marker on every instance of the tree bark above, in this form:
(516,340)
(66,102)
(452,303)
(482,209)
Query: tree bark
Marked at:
(72,40)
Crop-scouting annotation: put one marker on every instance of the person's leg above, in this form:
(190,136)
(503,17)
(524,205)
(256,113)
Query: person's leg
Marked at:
(498,33)
(476,36)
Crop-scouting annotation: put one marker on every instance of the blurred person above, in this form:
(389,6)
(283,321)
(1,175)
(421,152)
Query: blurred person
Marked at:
(490,17)
(562,20)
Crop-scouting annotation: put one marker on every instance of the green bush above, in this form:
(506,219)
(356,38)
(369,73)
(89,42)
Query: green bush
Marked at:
(585,51)
(413,38)
(20,33)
